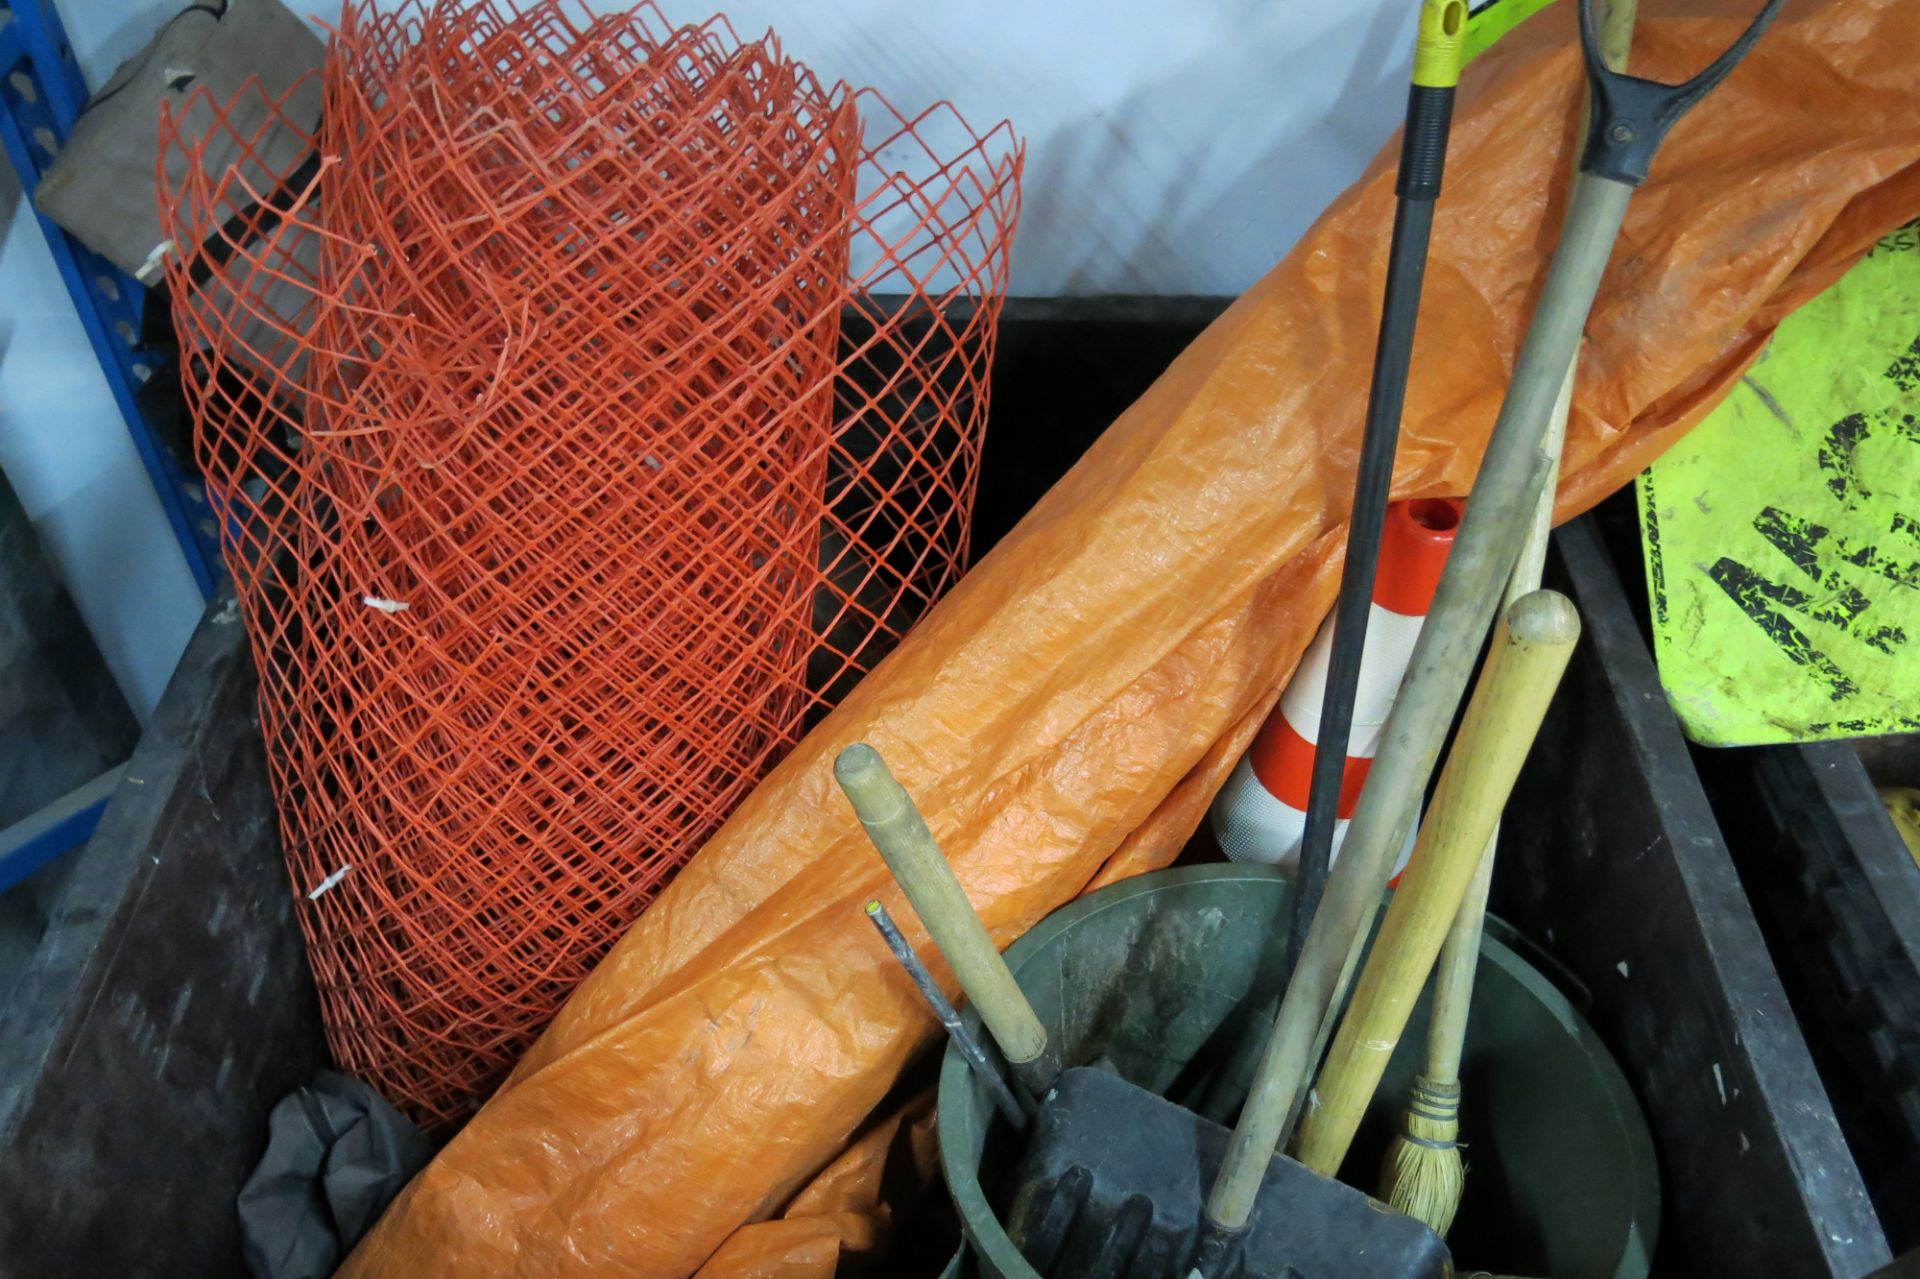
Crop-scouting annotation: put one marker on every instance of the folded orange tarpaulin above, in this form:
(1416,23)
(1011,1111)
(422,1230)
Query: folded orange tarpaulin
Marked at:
(1065,714)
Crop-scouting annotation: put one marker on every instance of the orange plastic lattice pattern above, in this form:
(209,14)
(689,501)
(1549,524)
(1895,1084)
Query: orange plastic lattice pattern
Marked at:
(592,405)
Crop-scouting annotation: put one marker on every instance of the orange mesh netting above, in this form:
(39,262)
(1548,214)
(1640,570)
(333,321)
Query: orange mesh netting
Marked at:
(588,408)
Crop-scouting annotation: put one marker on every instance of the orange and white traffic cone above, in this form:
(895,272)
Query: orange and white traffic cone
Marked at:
(1260,813)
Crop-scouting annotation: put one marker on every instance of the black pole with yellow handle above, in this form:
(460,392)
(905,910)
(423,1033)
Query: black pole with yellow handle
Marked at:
(1437,57)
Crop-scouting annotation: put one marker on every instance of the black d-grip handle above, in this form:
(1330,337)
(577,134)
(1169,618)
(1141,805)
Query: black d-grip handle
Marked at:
(1631,116)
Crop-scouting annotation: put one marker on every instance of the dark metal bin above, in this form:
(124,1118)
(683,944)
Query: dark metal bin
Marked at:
(1612,858)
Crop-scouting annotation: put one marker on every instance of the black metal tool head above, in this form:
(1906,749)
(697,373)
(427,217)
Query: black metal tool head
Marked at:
(1115,1178)
(1630,115)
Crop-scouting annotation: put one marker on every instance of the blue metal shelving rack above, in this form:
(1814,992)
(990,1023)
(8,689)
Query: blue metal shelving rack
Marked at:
(41,95)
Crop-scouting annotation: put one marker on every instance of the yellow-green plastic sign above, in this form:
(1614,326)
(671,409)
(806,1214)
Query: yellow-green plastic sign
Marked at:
(1491,19)
(1782,535)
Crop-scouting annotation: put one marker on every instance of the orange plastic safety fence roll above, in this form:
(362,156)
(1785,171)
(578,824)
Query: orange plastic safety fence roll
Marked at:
(593,403)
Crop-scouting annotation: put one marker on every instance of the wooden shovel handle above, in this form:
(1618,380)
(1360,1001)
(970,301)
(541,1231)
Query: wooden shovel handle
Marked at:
(1460,957)
(1529,654)
(897,829)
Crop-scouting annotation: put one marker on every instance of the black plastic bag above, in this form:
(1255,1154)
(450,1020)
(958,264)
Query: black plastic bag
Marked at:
(337,1154)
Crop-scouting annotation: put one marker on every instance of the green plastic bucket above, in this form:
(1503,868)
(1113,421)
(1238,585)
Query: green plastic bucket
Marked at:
(1157,974)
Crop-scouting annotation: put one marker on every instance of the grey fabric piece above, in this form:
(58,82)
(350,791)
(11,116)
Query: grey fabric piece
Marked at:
(337,1154)
(100,186)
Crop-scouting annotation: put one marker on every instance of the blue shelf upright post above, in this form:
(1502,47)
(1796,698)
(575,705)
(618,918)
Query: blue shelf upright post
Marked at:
(43,92)
(41,96)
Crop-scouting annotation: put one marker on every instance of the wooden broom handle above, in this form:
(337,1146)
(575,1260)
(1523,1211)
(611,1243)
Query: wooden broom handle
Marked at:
(1529,654)
(1459,959)
(898,830)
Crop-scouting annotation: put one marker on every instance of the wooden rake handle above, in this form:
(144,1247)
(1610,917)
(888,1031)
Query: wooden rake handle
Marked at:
(900,834)
(1529,654)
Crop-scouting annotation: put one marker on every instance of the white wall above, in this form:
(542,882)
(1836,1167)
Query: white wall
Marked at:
(1174,146)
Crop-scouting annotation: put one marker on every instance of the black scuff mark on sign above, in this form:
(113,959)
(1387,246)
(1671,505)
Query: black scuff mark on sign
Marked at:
(1839,456)
(1861,727)
(1870,557)
(1761,600)
(1905,525)
(1904,372)
(1656,563)
(1801,541)
(1796,538)
(1837,459)
(1773,405)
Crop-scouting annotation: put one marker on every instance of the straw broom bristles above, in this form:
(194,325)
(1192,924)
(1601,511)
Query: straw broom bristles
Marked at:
(1423,1174)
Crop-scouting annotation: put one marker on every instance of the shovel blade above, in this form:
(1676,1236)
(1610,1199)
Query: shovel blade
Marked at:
(1115,1178)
